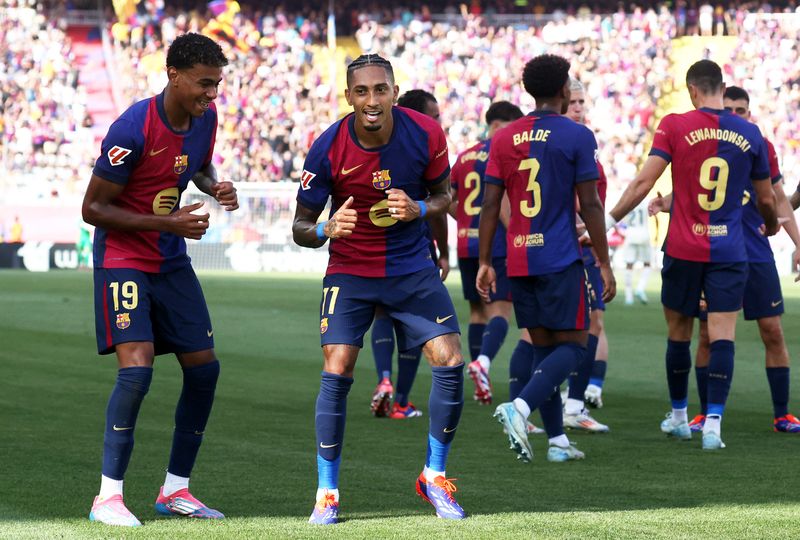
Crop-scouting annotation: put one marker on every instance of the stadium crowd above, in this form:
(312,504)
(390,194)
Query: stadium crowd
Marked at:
(275,99)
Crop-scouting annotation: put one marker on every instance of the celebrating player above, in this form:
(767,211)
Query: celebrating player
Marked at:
(488,322)
(147,298)
(715,156)
(385,168)
(382,334)
(542,159)
(763,299)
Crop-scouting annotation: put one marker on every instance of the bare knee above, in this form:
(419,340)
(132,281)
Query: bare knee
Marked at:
(340,359)
(444,350)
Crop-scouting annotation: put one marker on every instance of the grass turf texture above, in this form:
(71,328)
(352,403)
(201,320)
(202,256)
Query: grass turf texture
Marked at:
(257,464)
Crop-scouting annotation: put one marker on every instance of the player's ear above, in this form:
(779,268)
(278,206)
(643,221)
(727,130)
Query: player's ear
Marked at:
(396,89)
(172,74)
(347,96)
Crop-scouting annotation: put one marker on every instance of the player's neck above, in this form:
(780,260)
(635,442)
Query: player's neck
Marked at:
(179,120)
(373,139)
(549,106)
(709,102)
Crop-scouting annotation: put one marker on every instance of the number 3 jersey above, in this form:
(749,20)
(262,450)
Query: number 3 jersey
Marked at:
(539,159)
(714,154)
(338,166)
(154,163)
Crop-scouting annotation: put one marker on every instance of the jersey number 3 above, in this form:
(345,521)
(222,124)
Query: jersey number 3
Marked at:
(532,209)
(716,183)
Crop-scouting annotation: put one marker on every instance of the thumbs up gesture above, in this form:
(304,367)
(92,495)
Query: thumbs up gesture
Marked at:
(342,222)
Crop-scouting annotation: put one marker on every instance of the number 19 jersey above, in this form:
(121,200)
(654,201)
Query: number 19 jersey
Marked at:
(539,159)
(714,154)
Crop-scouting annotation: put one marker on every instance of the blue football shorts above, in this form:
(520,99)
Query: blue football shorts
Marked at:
(683,283)
(557,301)
(469,272)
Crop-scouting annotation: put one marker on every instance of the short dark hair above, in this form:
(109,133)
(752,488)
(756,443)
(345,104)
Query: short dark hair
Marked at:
(545,75)
(416,99)
(504,111)
(191,49)
(369,60)
(735,93)
(705,75)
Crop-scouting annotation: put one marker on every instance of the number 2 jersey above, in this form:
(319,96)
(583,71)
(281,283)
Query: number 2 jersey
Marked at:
(338,166)
(155,164)
(539,159)
(715,155)
(467,180)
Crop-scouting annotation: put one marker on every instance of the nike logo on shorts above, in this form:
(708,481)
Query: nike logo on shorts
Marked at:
(440,320)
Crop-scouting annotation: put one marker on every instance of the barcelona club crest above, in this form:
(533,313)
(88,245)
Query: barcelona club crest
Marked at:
(181,163)
(381,179)
(323,325)
(123,320)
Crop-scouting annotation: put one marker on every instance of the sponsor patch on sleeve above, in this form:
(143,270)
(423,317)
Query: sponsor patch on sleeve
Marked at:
(117,155)
(305,179)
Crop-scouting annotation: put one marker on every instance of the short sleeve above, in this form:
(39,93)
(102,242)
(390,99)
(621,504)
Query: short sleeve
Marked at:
(494,167)
(761,165)
(439,164)
(774,167)
(315,182)
(662,143)
(586,168)
(119,152)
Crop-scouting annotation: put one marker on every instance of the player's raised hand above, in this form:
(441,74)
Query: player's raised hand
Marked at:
(225,194)
(486,281)
(609,282)
(342,222)
(401,206)
(189,225)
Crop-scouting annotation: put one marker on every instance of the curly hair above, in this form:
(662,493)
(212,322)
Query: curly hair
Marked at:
(545,75)
(191,49)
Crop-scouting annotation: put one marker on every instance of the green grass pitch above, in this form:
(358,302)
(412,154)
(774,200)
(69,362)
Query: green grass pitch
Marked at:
(257,464)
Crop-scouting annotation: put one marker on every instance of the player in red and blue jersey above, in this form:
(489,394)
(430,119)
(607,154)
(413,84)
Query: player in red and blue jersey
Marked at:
(382,334)
(715,156)
(542,160)
(763,299)
(488,322)
(385,168)
(147,298)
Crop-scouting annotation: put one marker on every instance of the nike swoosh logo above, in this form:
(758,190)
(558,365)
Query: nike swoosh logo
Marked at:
(449,430)
(155,153)
(210,333)
(199,432)
(328,445)
(776,304)
(121,428)
(440,320)
(348,171)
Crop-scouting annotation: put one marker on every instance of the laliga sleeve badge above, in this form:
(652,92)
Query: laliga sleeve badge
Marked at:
(123,320)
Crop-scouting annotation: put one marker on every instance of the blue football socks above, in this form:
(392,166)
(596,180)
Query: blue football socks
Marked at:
(551,409)
(778,378)
(550,373)
(519,368)
(383,346)
(598,376)
(720,375)
(679,365)
(191,416)
(331,411)
(579,381)
(407,366)
(445,404)
(123,408)
(493,336)
(475,339)
(701,376)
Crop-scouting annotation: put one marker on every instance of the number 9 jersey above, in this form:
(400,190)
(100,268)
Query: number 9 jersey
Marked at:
(539,159)
(714,154)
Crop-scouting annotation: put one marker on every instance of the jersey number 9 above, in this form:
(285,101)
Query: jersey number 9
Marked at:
(716,185)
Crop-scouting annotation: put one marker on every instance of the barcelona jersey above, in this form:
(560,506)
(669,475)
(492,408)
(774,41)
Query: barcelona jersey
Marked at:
(154,163)
(338,166)
(540,159)
(758,248)
(602,189)
(466,179)
(714,154)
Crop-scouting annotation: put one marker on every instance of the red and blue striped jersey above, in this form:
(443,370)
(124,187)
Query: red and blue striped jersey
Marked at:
(602,189)
(714,156)
(154,163)
(338,166)
(467,180)
(540,159)
(758,248)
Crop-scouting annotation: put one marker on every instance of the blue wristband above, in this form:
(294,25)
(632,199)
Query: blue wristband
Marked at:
(423,208)
(321,230)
